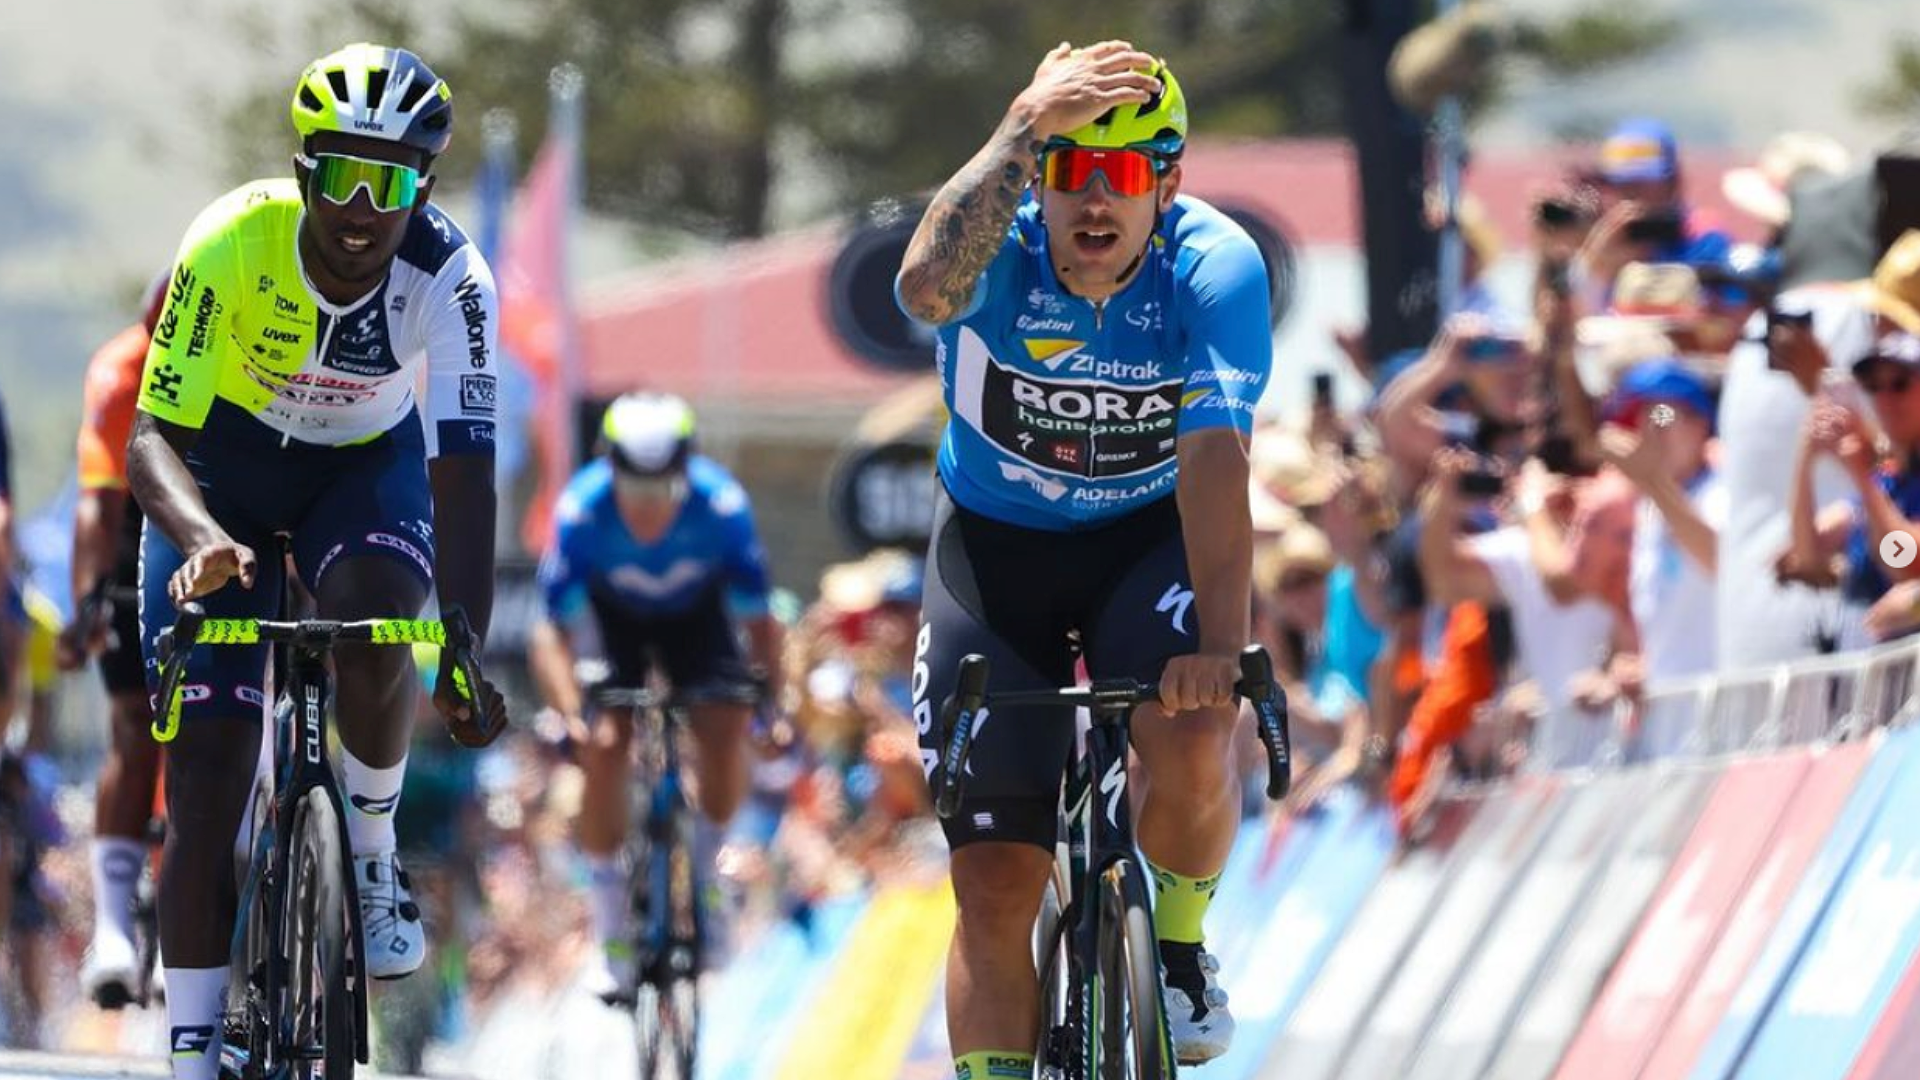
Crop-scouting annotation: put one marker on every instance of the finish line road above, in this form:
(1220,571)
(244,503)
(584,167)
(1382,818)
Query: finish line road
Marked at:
(18,1065)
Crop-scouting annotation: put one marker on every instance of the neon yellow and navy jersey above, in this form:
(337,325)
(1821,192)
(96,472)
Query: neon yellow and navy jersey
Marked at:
(1066,413)
(712,542)
(242,326)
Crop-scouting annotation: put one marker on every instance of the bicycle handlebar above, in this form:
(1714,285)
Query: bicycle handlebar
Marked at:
(1256,685)
(193,627)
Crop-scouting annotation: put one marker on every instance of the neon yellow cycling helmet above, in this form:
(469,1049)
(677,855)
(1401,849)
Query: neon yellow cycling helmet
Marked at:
(1157,125)
(377,91)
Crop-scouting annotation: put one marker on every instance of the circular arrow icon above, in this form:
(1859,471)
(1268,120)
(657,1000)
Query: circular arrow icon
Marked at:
(1897,549)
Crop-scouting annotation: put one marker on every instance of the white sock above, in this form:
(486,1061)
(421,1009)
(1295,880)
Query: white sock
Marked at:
(608,905)
(195,1000)
(116,871)
(373,795)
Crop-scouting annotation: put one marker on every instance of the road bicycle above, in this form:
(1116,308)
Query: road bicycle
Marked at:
(669,931)
(1101,1013)
(297,1006)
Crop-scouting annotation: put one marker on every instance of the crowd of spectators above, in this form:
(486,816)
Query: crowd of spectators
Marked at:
(1671,458)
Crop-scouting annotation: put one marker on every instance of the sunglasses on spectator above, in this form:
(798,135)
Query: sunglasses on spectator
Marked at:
(1070,169)
(1895,384)
(338,177)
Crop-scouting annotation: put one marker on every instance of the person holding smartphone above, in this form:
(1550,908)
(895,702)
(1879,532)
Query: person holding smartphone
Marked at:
(1643,216)
(1561,573)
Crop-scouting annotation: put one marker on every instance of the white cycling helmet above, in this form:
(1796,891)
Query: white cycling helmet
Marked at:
(648,434)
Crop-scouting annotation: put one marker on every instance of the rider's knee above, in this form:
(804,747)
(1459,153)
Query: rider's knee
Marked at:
(999,885)
(1200,760)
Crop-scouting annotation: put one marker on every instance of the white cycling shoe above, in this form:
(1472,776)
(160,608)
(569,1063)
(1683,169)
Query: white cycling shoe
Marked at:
(106,975)
(396,942)
(1197,1016)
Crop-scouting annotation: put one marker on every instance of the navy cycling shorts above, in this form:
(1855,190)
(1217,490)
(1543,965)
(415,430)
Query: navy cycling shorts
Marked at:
(1021,597)
(337,502)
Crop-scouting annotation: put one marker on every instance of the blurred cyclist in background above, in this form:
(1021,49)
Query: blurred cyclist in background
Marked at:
(657,544)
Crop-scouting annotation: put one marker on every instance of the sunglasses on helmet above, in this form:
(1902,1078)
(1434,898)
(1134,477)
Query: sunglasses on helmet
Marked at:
(337,177)
(1070,169)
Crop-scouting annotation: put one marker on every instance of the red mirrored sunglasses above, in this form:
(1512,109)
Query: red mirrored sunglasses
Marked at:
(1127,172)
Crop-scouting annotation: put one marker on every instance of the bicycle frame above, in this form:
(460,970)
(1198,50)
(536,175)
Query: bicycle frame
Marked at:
(300,764)
(1096,831)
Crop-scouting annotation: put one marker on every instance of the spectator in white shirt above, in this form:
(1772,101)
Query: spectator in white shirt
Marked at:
(1562,573)
(1660,425)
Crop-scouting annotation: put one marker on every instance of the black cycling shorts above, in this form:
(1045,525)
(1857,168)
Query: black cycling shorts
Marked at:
(121,669)
(1019,597)
(697,649)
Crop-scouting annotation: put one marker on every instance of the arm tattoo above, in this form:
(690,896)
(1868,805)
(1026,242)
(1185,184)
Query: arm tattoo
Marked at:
(966,224)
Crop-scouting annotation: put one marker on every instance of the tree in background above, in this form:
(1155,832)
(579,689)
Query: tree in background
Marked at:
(700,113)
(1896,95)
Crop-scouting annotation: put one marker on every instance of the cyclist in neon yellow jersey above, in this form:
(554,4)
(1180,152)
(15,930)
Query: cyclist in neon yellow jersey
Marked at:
(279,395)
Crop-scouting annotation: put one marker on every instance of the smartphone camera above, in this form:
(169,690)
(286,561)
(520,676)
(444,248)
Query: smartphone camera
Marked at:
(1661,228)
(1481,483)
(1323,389)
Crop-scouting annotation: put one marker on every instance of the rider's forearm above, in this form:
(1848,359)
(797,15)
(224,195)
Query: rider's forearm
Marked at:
(97,518)
(463,509)
(967,221)
(550,662)
(764,637)
(1212,491)
(157,476)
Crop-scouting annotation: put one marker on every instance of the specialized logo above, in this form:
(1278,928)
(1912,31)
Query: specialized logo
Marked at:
(473,309)
(1176,600)
(169,324)
(477,393)
(1113,785)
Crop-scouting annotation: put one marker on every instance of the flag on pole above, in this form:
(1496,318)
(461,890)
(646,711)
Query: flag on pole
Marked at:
(493,190)
(536,308)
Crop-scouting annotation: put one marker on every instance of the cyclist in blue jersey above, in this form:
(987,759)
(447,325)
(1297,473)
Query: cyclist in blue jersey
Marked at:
(656,546)
(1102,341)
(13,611)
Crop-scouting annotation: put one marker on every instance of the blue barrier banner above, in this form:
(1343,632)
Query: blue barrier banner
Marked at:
(1268,976)
(1342,996)
(1859,948)
(748,1014)
(1761,986)
(1572,970)
(1518,817)
(1502,966)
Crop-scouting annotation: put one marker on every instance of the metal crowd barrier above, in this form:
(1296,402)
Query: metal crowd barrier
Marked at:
(1822,698)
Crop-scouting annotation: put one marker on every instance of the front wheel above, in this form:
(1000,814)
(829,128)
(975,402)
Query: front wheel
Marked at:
(319,1000)
(1129,1017)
